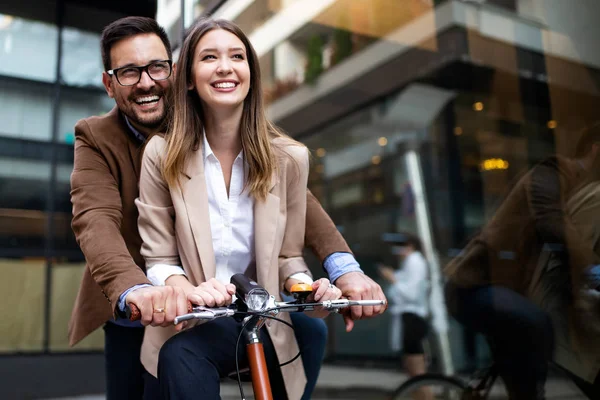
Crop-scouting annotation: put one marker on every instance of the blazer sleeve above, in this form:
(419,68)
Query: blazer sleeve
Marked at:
(291,259)
(156,221)
(548,197)
(322,236)
(97,218)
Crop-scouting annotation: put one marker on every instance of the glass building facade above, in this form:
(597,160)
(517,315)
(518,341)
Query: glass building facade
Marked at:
(50,77)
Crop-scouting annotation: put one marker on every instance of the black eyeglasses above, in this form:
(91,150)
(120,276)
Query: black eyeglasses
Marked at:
(131,75)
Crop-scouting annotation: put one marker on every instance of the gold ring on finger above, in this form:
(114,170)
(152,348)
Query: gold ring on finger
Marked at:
(159,310)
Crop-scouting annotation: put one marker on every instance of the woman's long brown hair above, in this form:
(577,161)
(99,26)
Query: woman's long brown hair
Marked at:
(184,134)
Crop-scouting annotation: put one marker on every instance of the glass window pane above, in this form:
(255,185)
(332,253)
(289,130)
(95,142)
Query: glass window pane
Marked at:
(81,63)
(29,48)
(24,186)
(22,306)
(25,109)
(65,284)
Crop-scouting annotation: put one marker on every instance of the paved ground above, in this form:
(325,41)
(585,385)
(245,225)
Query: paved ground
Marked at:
(348,383)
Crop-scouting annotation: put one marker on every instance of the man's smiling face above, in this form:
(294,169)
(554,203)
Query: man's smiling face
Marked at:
(144,103)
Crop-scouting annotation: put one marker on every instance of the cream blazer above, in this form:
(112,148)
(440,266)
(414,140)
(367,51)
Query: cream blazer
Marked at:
(175,229)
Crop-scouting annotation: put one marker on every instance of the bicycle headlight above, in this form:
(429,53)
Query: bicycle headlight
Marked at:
(257,299)
(255,296)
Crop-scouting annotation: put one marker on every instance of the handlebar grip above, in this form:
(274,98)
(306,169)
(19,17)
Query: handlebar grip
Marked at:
(244,285)
(133,312)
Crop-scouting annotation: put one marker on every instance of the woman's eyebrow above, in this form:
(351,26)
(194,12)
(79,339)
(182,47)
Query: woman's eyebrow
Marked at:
(212,49)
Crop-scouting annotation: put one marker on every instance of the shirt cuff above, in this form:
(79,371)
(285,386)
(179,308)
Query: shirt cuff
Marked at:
(338,264)
(302,277)
(159,273)
(123,296)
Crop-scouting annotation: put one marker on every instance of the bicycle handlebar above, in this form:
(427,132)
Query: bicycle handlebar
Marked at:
(261,304)
(205,313)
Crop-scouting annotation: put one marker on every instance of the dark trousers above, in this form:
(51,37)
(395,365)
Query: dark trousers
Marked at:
(192,363)
(520,334)
(414,329)
(124,371)
(311,334)
(125,375)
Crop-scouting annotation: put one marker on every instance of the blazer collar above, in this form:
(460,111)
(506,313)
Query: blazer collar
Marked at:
(195,166)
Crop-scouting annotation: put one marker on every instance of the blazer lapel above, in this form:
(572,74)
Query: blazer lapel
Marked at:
(195,198)
(266,215)
(136,149)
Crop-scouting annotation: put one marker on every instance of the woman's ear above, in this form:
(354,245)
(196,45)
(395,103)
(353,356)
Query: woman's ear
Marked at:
(190,86)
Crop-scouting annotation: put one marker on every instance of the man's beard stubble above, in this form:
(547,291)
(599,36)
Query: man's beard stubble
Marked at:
(152,123)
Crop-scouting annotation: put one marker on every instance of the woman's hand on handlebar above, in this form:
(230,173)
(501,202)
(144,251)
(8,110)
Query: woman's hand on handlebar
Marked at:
(322,290)
(212,293)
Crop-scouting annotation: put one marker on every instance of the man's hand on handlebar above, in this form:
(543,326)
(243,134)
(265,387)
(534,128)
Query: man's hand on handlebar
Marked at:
(322,290)
(158,305)
(358,286)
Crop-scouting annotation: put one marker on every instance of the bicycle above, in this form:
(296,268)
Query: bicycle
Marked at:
(478,387)
(253,306)
(444,387)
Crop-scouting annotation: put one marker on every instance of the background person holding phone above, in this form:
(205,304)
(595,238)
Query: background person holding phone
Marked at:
(408,296)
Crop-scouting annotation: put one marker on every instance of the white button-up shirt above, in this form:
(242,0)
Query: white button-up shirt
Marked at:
(231,218)
(231,221)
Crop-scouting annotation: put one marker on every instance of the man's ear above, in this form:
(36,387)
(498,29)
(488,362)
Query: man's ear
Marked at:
(107,82)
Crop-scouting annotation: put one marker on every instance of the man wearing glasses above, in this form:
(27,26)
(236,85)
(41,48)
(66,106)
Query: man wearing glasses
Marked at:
(136,54)
(104,184)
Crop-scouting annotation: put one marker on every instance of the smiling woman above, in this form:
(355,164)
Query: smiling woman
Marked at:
(241,186)
(220,72)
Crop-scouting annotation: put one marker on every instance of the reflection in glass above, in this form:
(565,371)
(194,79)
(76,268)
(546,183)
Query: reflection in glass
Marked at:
(65,284)
(28,48)
(22,306)
(24,186)
(81,63)
(25,109)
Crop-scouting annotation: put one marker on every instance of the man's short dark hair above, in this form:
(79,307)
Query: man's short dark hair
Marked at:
(127,27)
(588,137)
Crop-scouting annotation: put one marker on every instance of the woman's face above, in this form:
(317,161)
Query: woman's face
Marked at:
(220,70)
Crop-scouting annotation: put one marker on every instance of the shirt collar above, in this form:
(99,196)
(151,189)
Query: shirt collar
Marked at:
(207,151)
(141,138)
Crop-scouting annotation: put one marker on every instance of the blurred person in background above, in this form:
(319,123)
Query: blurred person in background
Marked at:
(138,74)
(495,285)
(575,314)
(409,294)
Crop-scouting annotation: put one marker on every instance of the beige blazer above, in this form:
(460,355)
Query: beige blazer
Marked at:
(175,228)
